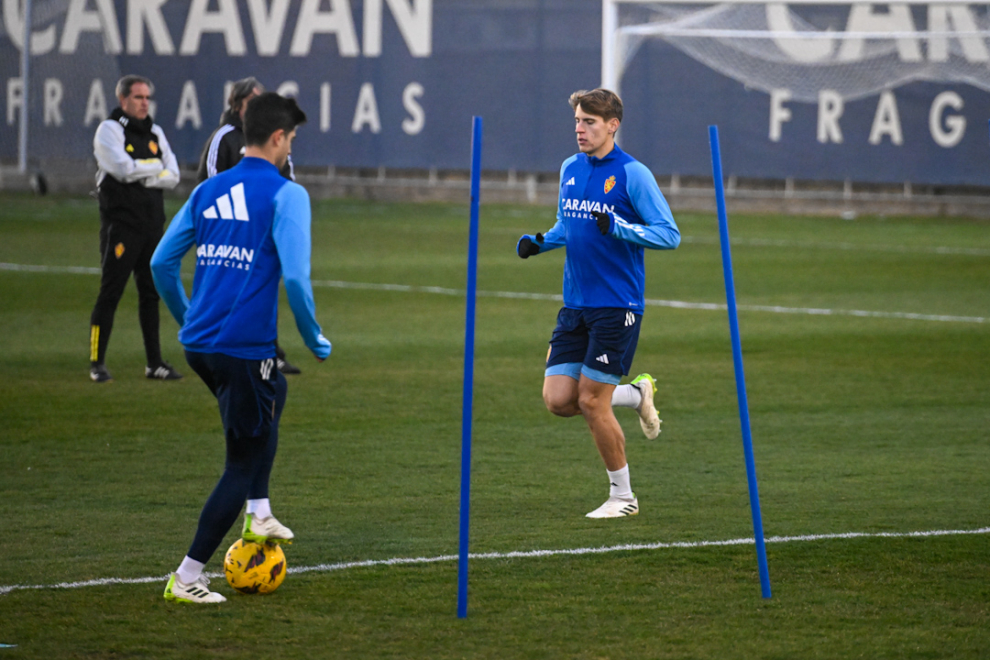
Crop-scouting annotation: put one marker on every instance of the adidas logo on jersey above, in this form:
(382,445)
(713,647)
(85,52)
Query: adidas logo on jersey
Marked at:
(236,211)
(570,182)
(603,358)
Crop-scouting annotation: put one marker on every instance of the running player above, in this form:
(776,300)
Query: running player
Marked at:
(610,208)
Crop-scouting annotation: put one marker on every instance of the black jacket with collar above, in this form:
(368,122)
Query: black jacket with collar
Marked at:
(225,148)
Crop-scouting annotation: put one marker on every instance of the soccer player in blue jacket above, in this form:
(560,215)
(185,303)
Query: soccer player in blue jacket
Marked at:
(610,208)
(251,227)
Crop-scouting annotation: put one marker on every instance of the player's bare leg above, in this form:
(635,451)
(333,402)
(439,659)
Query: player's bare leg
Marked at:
(567,397)
(595,402)
(560,394)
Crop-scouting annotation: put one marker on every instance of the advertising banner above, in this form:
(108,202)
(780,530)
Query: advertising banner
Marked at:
(395,83)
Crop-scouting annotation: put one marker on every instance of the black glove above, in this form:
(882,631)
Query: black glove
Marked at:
(603,221)
(527,248)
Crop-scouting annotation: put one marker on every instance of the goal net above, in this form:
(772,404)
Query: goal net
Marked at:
(852,49)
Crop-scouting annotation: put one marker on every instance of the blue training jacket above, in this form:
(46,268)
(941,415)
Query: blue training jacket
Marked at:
(251,227)
(607,270)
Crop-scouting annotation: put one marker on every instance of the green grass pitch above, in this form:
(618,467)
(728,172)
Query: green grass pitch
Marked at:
(871,424)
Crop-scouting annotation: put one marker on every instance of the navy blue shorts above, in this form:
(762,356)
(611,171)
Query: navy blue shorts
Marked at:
(599,343)
(250,393)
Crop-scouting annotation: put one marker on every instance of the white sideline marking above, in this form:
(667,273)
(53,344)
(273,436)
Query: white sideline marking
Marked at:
(898,249)
(676,304)
(650,302)
(816,245)
(522,554)
(75,270)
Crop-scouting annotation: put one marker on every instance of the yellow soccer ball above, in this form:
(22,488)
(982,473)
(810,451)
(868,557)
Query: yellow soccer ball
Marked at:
(253,568)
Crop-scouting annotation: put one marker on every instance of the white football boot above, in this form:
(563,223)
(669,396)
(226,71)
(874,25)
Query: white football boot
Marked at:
(177,591)
(615,507)
(649,420)
(265,530)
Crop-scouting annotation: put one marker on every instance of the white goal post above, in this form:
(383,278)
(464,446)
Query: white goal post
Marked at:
(766,45)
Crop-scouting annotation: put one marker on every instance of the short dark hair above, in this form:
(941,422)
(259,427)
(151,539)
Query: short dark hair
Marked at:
(268,113)
(600,102)
(242,89)
(124,84)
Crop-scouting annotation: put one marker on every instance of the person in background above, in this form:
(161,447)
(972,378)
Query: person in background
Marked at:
(135,165)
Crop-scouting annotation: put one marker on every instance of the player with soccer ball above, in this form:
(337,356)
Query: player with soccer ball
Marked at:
(251,227)
(610,208)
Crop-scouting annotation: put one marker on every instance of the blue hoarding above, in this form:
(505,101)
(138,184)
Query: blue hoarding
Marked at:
(395,83)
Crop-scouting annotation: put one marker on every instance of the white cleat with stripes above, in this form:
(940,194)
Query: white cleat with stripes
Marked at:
(198,592)
(615,507)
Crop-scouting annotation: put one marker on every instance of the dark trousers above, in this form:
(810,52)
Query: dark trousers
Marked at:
(124,250)
(251,395)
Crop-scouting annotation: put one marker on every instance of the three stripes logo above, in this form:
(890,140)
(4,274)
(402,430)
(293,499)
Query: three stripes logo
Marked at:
(230,207)
(603,358)
(630,319)
(159,372)
(266,368)
(570,182)
(630,509)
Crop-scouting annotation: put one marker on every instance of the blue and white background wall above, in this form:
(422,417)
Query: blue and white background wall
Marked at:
(395,83)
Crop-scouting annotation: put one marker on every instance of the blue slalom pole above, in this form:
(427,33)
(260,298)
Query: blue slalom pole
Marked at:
(472,286)
(730,296)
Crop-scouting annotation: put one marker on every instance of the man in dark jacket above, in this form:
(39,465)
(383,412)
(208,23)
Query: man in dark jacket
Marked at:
(225,148)
(136,164)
